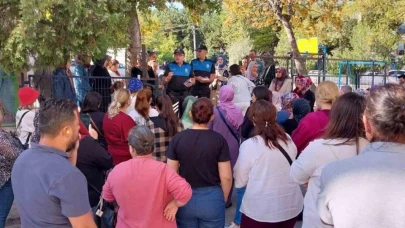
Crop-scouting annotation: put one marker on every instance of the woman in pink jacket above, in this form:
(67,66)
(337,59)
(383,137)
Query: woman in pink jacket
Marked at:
(147,191)
(314,124)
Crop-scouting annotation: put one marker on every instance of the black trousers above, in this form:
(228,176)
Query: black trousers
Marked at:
(178,97)
(203,92)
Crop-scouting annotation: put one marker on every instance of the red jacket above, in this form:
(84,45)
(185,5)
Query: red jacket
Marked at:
(313,126)
(116,131)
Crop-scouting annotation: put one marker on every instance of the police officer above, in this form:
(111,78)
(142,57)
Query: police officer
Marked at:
(178,77)
(204,73)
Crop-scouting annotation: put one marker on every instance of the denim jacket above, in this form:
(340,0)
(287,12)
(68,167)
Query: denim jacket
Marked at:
(82,82)
(61,85)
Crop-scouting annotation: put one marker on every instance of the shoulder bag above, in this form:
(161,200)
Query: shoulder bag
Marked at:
(229,128)
(285,154)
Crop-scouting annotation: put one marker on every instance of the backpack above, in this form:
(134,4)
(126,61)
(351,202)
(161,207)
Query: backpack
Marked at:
(14,134)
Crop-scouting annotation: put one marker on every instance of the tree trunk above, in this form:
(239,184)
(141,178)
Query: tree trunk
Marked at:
(134,31)
(277,7)
(298,59)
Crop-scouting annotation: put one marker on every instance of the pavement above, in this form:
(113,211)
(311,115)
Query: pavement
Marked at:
(13,219)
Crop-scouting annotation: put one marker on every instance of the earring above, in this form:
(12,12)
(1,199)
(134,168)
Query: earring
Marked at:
(67,132)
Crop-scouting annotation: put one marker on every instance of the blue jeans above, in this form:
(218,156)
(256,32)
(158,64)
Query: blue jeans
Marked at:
(238,215)
(6,201)
(206,209)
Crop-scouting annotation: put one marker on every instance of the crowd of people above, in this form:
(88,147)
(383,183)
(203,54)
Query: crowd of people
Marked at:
(134,158)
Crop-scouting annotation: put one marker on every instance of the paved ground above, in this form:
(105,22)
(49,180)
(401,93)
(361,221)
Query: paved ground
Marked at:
(13,220)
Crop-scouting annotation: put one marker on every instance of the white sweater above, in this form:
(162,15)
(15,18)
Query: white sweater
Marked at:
(271,195)
(308,168)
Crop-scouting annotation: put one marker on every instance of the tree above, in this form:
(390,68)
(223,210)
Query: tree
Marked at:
(288,14)
(51,31)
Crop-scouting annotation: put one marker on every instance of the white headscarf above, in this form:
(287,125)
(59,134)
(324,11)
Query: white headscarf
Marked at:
(249,74)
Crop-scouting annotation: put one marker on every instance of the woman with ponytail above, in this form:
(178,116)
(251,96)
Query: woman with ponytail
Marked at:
(143,110)
(116,126)
(271,199)
(164,126)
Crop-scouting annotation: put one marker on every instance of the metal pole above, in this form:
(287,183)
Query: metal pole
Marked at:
(372,74)
(194,40)
(144,63)
(385,73)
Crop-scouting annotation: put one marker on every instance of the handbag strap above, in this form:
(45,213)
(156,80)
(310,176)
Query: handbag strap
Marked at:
(226,123)
(95,127)
(19,122)
(285,154)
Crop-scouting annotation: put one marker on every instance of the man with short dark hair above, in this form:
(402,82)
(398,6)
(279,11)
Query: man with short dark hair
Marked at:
(178,77)
(204,73)
(253,57)
(49,190)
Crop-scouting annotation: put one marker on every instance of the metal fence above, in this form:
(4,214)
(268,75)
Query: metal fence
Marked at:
(75,88)
(356,73)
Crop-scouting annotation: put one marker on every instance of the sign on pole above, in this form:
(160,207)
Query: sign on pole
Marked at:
(309,46)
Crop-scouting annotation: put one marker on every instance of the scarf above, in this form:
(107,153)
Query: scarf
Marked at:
(249,75)
(224,63)
(233,114)
(305,83)
(301,108)
(286,101)
(279,82)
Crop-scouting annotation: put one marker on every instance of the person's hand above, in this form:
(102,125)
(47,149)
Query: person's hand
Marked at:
(160,86)
(199,78)
(93,133)
(170,211)
(168,77)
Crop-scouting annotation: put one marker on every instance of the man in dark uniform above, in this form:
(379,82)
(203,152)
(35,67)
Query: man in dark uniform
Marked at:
(179,78)
(204,73)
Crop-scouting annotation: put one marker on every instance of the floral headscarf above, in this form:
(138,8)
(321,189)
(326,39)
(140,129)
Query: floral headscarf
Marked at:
(287,99)
(306,84)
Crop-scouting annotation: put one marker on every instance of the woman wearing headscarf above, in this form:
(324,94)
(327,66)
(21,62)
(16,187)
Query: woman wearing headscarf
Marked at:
(300,108)
(222,74)
(251,72)
(102,81)
(286,107)
(227,122)
(282,83)
(81,79)
(303,90)
(186,119)
(221,68)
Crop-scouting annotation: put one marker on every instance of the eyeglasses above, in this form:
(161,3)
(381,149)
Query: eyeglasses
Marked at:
(278,71)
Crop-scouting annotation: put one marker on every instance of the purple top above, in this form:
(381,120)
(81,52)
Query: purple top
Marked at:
(219,126)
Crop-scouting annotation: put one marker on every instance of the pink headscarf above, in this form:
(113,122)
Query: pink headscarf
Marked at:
(233,114)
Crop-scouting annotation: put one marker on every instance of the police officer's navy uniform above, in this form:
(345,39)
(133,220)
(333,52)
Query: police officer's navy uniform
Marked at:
(176,89)
(204,69)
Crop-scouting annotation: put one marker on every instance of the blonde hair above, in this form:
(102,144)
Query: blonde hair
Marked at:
(327,92)
(121,97)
